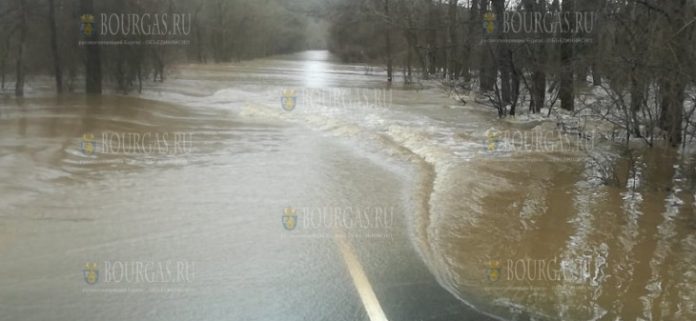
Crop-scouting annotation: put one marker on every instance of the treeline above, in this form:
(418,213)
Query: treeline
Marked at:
(56,37)
(536,54)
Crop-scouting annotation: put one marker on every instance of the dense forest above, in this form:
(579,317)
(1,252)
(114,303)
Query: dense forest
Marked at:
(531,55)
(536,54)
(73,38)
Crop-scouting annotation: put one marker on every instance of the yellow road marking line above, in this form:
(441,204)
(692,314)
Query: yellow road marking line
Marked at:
(362,284)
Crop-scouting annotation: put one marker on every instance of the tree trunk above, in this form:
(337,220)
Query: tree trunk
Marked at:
(54,46)
(474,32)
(567,90)
(432,39)
(140,77)
(93,75)
(597,39)
(453,42)
(674,82)
(539,74)
(2,74)
(672,110)
(3,63)
(515,88)
(408,63)
(596,76)
(19,84)
(412,42)
(504,56)
(199,37)
(636,100)
(387,36)
(487,71)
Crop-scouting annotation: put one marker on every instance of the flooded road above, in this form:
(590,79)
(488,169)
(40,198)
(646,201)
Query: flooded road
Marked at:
(300,188)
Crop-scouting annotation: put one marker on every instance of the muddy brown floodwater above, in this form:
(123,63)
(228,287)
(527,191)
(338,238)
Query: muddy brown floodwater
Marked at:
(300,188)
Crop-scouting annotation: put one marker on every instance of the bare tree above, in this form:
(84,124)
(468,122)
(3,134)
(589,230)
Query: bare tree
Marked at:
(673,81)
(93,74)
(54,45)
(19,69)
(387,40)
(567,84)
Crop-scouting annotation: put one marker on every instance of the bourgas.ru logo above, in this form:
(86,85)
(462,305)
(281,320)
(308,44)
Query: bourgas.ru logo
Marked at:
(579,270)
(135,272)
(289,218)
(288,100)
(489,22)
(136,24)
(87,24)
(551,22)
(493,270)
(345,218)
(119,143)
(88,145)
(90,273)
(492,140)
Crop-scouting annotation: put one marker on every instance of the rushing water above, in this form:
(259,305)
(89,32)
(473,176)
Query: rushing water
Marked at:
(457,208)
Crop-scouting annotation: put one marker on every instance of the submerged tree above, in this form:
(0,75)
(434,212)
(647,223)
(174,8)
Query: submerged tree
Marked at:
(58,73)
(221,31)
(640,50)
(93,75)
(22,27)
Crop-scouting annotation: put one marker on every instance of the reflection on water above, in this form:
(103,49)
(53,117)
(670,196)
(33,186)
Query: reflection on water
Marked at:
(565,247)
(315,68)
(523,235)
